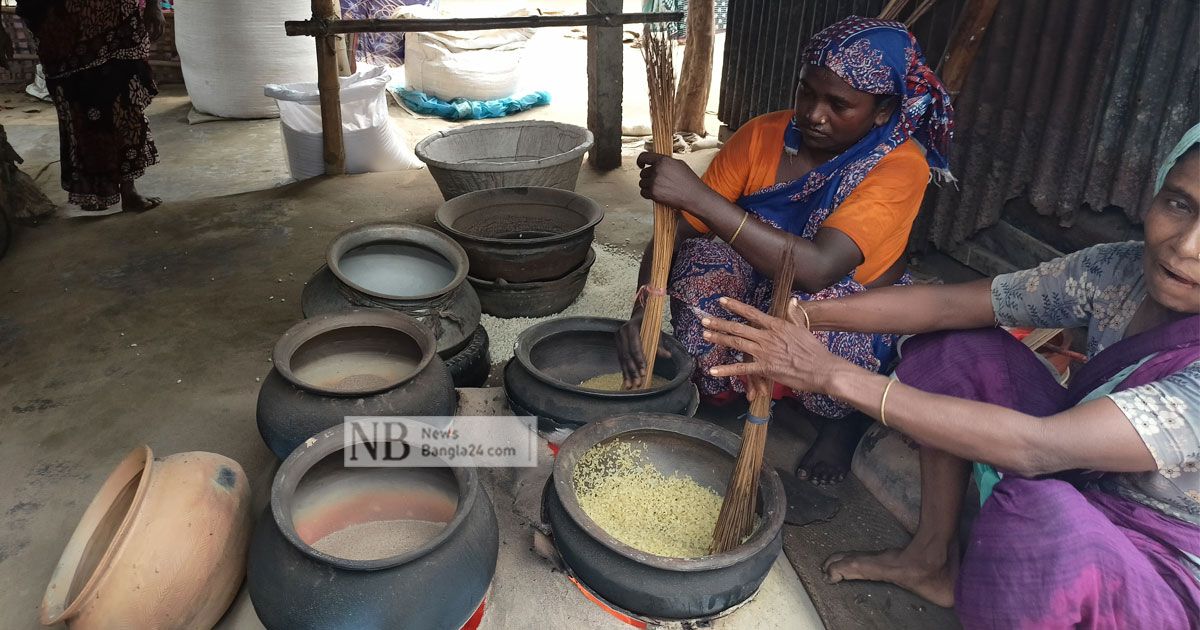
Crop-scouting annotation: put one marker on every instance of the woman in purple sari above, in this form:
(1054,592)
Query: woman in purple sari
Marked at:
(1096,520)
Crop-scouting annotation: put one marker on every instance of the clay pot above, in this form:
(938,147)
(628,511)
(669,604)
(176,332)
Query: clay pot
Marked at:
(533,299)
(521,235)
(162,545)
(438,582)
(553,357)
(410,269)
(648,584)
(363,363)
(403,267)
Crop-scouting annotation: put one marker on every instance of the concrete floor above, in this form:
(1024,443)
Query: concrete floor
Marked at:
(151,329)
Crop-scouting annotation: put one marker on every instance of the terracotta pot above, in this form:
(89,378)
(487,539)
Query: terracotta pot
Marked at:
(162,545)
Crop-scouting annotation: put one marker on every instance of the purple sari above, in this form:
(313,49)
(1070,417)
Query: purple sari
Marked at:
(1047,553)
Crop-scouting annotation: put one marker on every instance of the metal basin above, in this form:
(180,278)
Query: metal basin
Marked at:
(552,358)
(644,583)
(521,234)
(500,154)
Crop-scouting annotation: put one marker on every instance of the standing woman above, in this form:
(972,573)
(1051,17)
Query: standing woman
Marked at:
(94,55)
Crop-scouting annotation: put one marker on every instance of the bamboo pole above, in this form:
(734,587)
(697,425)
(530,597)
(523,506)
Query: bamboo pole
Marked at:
(324,11)
(695,78)
(964,46)
(658,51)
(320,27)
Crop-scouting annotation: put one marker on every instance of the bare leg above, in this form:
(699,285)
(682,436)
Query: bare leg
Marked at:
(928,566)
(133,201)
(828,459)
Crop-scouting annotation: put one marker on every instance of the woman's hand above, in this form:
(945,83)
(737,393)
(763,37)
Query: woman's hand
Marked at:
(669,181)
(155,22)
(629,350)
(784,351)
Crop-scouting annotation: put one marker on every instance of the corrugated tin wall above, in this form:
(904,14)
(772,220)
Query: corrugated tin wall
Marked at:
(765,37)
(1070,104)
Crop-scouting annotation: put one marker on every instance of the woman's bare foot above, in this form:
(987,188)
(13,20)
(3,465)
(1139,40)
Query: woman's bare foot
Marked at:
(828,459)
(928,577)
(133,201)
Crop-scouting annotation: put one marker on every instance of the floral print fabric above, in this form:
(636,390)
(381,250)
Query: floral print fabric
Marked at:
(1101,288)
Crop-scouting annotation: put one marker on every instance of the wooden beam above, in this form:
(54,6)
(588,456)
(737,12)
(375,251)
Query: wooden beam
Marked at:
(612,18)
(965,44)
(330,90)
(695,77)
(606,88)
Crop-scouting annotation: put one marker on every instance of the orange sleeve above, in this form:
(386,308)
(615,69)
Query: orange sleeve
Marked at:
(729,170)
(879,214)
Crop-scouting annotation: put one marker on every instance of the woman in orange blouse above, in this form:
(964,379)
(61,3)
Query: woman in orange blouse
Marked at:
(838,181)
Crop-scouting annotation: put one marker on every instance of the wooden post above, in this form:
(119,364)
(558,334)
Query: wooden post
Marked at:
(330,90)
(968,37)
(606,74)
(695,78)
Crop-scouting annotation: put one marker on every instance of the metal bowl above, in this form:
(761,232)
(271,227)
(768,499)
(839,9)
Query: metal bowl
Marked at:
(524,234)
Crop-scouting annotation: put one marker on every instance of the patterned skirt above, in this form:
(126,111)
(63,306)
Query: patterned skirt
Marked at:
(104,135)
(706,270)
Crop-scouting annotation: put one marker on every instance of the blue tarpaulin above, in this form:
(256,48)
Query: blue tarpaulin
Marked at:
(462,109)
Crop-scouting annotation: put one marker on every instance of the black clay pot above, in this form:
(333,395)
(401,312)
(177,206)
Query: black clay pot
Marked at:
(520,235)
(438,584)
(552,358)
(412,269)
(367,363)
(647,584)
(532,299)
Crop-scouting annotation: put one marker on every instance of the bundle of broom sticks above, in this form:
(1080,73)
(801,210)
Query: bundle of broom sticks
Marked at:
(736,519)
(658,52)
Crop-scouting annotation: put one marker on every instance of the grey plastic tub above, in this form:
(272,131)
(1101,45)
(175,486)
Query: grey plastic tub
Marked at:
(498,155)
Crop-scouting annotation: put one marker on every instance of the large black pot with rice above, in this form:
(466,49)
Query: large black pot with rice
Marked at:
(411,269)
(646,584)
(362,363)
(370,547)
(556,363)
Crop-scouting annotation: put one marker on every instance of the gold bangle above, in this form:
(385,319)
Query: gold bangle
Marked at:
(807,321)
(739,230)
(883,402)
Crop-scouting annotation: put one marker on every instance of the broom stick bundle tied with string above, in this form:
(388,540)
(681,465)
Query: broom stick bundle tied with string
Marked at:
(736,519)
(658,52)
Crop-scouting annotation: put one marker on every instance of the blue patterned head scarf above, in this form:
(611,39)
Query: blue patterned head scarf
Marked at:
(1190,139)
(883,57)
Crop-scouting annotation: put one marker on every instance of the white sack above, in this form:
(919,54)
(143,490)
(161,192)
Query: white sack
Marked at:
(475,65)
(373,143)
(229,49)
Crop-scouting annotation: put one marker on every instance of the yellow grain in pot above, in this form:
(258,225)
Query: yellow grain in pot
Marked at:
(639,506)
(616,382)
